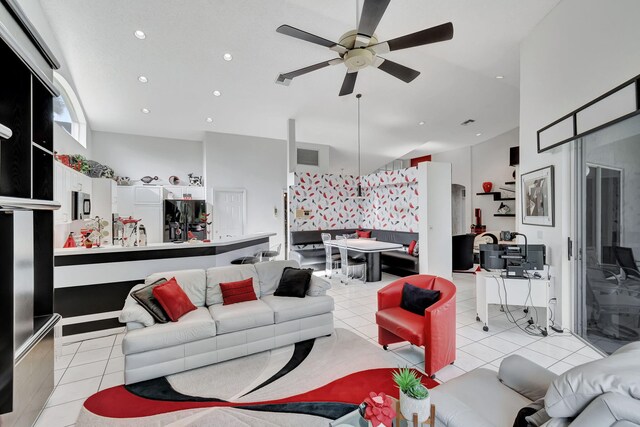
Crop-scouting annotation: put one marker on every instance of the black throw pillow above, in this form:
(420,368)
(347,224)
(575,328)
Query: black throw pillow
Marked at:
(146,299)
(294,282)
(416,300)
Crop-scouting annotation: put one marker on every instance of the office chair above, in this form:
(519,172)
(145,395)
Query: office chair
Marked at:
(348,262)
(332,260)
(607,300)
(627,262)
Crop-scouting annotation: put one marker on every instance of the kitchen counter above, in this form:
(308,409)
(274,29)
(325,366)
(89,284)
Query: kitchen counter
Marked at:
(155,246)
(90,285)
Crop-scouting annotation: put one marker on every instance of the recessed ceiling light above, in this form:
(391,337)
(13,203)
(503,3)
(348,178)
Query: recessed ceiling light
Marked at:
(143,79)
(478,134)
(227,57)
(145,110)
(209,120)
(499,77)
(421,123)
(216,93)
(140,34)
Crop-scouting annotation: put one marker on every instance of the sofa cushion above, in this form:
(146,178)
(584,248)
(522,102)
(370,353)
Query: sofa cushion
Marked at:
(193,326)
(402,323)
(173,299)
(619,373)
(286,309)
(318,286)
(192,282)
(400,259)
(235,292)
(232,273)
(294,282)
(483,398)
(270,273)
(241,316)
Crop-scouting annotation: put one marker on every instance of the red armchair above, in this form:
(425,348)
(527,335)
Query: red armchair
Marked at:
(435,331)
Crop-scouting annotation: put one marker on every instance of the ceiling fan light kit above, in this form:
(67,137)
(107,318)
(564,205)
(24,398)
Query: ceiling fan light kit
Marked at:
(359,49)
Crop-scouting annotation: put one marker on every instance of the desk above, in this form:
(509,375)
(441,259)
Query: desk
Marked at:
(490,289)
(371,250)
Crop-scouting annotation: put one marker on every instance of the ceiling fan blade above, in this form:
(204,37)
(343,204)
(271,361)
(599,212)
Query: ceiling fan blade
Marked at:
(436,34)
(405,74)
(348,84)
(288,30)
(372,12)
(285,78)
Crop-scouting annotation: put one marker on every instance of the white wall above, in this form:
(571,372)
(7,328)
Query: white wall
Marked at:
(258,165)
(136,156)
(579,51)
(487,161)
(63,143)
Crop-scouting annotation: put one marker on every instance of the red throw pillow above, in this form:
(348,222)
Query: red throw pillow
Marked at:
(363,234)
(241,291)
(412,246)
(173,299)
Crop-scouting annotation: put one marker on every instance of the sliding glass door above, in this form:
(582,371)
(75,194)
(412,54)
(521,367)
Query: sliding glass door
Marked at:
(608,235)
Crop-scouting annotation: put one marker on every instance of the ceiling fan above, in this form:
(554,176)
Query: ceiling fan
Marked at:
(358,49)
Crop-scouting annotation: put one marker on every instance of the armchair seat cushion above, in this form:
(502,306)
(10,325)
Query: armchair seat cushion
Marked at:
(241,316)
(402,323)
(193,326)
(285,308)
(485,398)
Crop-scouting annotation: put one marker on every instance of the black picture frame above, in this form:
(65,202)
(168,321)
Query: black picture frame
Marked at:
(538,197)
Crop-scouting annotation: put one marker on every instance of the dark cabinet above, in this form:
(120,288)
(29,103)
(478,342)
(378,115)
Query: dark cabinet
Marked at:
(42,104)
(15,113)
(42,174)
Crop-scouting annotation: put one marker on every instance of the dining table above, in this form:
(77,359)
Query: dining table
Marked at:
(371,250)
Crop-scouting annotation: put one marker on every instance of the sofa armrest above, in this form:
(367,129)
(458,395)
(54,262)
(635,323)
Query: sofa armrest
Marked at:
(132,326)
(452,412)
(318,286)
(132,312)
(609,409)
(525,377)
(440,334)
(391,295)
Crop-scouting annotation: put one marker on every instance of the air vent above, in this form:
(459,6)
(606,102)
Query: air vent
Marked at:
(308,157)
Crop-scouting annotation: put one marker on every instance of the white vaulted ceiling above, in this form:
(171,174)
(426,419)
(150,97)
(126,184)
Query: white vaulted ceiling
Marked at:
(182,58)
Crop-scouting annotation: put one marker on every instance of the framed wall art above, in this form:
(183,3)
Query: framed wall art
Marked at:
(538,202)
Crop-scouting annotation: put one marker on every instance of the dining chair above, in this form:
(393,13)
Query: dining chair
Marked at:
(332,261)
(349,263)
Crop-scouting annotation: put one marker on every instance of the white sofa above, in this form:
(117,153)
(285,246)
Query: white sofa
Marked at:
(214,332)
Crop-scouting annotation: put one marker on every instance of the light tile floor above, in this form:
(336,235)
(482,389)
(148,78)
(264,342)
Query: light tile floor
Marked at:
(84,368)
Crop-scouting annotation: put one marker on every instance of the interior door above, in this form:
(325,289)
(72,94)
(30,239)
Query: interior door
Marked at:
(229,213)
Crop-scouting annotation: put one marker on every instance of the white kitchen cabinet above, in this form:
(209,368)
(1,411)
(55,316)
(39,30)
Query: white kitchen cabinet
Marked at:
(197,193)
(180,192)
(62,192)
(151,216)
(126,201)
(147,195)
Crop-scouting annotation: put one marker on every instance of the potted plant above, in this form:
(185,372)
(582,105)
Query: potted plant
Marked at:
(414,396)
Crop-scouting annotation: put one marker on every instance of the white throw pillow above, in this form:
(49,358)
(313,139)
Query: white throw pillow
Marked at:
(570,393)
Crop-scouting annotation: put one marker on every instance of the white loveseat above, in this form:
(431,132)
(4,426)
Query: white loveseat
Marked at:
(214,332)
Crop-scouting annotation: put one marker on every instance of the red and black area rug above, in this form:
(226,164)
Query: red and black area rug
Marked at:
(309,383)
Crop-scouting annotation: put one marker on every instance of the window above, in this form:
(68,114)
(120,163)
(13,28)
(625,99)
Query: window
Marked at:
(67,111)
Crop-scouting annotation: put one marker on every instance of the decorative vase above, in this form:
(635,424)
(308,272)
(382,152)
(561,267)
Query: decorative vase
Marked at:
(410,406)
(487,186)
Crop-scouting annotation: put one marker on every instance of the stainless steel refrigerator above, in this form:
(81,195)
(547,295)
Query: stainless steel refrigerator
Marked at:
(184,218)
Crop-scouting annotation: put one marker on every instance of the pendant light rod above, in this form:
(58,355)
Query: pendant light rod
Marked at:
(358,96)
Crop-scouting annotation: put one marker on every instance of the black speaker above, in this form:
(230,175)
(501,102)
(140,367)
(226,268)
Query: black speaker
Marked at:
(514,156)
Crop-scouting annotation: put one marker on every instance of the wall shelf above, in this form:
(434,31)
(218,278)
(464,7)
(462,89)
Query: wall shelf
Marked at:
(505,215)
(497,195)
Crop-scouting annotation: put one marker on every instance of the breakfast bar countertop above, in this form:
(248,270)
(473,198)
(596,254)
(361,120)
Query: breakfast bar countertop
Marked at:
(162,246)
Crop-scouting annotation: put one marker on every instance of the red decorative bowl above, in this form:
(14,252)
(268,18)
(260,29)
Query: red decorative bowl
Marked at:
(487,186)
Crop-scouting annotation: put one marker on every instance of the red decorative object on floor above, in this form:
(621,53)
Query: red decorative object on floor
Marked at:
(487,186)
(435,331)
